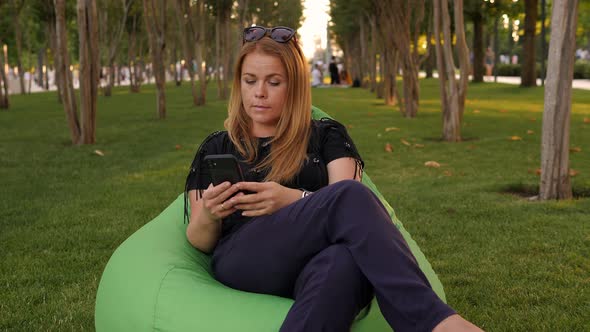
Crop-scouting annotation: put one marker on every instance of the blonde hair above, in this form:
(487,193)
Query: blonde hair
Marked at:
(289,145)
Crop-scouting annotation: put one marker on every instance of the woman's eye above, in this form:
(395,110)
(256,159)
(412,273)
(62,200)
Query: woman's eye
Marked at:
(274,83)
(250,82)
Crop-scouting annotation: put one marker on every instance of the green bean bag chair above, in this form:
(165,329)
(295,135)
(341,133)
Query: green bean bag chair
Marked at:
(156,281)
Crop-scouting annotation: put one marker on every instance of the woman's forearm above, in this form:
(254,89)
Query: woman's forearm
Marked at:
(203,233)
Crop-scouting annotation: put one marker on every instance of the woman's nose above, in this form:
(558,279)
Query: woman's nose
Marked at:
(260,91)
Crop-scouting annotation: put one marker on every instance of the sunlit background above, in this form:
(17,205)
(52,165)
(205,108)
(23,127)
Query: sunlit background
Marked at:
(314,30)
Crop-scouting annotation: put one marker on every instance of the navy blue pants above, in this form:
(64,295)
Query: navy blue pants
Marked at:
(330,251)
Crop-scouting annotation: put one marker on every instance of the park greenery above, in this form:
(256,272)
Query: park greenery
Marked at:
(507,264)
(466,164)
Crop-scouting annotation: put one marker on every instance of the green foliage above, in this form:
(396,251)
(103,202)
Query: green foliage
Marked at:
(506,263)
(272,13)
(581,69)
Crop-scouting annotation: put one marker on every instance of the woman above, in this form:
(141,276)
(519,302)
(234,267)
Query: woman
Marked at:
(308,229)
(489,61)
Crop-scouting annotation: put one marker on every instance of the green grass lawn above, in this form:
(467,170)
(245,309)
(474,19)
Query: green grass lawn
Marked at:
(506,263)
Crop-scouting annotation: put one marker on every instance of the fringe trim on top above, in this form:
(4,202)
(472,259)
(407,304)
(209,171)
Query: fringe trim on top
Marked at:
(195,170)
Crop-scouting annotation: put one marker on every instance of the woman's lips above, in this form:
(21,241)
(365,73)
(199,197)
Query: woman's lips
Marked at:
(260,107)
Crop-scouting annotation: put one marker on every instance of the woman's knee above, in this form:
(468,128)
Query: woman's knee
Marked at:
(352,186)
(353,191)
(340,258)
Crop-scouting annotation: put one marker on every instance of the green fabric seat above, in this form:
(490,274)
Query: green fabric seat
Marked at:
(156,281)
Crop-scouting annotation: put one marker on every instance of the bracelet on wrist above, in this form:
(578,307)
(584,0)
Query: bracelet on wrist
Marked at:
(305,193)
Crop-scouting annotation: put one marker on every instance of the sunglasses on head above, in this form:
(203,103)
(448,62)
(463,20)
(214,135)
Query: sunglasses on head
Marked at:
(278,34)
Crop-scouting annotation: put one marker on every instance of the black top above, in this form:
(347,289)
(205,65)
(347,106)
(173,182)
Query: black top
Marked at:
(329,141)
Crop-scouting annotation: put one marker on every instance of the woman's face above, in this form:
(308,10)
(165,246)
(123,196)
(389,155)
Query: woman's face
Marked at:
(264,91)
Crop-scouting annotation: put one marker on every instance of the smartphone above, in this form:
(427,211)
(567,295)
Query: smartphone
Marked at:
(224,167)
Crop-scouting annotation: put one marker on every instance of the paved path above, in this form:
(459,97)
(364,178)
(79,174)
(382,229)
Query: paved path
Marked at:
(576,84)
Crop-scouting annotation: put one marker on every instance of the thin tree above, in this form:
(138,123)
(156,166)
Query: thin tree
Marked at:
(184,17)
(155,21)
(223,43)
(4,102)
(17,8)
(529,71)
(114,24)
(474,11)
(555,179)
(89,68)
(134,52)
(452,91)
(395,17)
(62,71)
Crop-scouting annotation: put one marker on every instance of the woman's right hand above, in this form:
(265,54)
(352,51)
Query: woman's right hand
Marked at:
(214,199)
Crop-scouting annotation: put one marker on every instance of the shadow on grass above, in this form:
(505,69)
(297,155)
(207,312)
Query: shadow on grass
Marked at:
(440,139)
(529,191)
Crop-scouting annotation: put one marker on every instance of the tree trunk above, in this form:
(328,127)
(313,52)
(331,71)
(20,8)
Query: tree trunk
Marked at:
(67,92)
(529,72)
(478,49)
(40,54)
(555,179)
(51,29)
(373,52)
(395,29)
(381,74)
(218,49)
(4,102)
(177,73)
(183,14)
(227,53)
(113,47)
(18,37)
(155,21)
(430,61)
(134,82)
(201,50)
(107,91)
(89,68)
(363,51)
(452,92)
(389,78)
(411,85)
(223,47)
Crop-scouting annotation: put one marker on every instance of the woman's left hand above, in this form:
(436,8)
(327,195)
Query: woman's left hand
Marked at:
(266,198)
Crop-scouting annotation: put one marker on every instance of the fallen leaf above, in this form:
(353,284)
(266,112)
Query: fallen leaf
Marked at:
(177,147)
(371,114)
(99,153)
(349,126)
(419,146)
(388,129)
(503,111)
(404,142)
(530,132)
(576,149)
(533,119)
(516,138)
(586,120)
(476,111)
(573,172)
(388,148)
(538,171)
(448,173)
(471,147)
(432,164)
